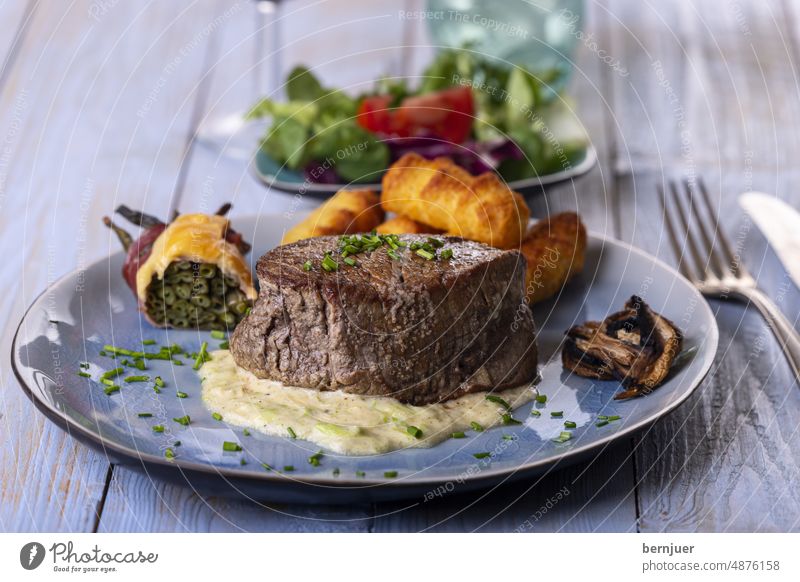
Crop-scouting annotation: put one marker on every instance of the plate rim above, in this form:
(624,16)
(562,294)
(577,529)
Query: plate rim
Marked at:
(588,162)
(181,466)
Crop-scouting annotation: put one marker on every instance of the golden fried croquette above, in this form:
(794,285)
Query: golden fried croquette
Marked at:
(404,225)
(444,195)
(555,251)
(347,212)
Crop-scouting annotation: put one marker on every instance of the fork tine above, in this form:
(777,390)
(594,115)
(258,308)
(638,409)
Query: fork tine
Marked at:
(683,265)
(714,262)
(735,265)
(700,263)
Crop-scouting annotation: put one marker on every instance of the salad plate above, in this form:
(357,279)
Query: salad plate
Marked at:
(274,175)
(59,351)
(486,115)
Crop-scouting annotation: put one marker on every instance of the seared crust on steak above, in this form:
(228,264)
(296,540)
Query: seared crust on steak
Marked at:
(418,330)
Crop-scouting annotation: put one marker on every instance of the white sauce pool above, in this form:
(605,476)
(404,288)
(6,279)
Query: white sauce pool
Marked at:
(341,422)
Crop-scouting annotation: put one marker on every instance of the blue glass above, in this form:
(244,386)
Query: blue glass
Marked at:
(539,35)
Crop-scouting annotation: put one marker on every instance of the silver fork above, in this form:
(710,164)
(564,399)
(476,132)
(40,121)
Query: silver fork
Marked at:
(711,264)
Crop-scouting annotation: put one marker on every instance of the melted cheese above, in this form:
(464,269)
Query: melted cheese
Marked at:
(199,238)
(343,423)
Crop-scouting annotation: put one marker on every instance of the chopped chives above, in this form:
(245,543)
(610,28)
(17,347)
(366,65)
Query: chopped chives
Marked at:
(291,432)
(266,467)
(139,364)
(414,432)
(84,375)
(476,427)
(435,242)
(217,334)
(102,353)
(601,423)
(183,420)
(169,453)
(119,351)
(613,418)
(570,424)
(557,414)
(393,255)
(390,474)
(158,428)
(159,382)
(288,468)
(508,437)
(111,373)
(107,382)
(145,414)
(498,400)
(541,398)
(177,362)
(535,412)
(176,444)
(458,435)
(242,462)
(350,261)
(335,471)
(427,255)
(130,379)
(481,455)
(360,473)
(563,437)
(329,264)
(231,447)
(507,419)
(216,416)
(148,342)
(246,432)
(83,365)
(224,345)
(446,254)
(109,390)
(307,266)
(181,395)
(202,357)
(313,460)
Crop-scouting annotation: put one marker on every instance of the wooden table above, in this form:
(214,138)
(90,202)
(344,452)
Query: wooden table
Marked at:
(99,104)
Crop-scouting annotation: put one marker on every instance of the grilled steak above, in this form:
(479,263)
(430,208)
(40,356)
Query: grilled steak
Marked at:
(418,330)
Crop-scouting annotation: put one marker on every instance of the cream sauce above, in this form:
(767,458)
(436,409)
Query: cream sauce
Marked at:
(341,422)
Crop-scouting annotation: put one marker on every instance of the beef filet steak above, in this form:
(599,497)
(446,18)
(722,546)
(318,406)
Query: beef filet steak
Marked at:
(418,330)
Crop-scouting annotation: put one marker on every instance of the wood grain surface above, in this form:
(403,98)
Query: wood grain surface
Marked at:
(101,101)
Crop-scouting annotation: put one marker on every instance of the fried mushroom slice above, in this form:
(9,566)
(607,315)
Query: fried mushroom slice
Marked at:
(636,346)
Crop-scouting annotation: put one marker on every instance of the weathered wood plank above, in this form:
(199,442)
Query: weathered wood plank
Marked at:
(592,496)
(15,16)
(710,93)
(720,461)
(138,504)
(102,106)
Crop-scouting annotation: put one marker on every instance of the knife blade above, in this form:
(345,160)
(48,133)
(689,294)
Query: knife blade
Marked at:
(780,224)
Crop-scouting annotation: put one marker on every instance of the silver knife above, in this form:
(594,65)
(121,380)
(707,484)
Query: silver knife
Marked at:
(780,224)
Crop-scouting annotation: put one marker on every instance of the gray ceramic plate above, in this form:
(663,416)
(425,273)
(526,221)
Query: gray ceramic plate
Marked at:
(274,175)
(71,321)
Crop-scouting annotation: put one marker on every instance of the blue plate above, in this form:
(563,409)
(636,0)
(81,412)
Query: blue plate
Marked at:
(275,175)
(71,321)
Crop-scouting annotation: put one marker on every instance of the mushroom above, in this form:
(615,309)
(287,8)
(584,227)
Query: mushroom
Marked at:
(636,346)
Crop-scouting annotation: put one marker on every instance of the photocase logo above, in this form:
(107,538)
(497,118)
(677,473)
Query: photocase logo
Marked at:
(31,555)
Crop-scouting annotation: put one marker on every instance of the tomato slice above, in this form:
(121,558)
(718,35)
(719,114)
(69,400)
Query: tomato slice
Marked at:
(374,114)
(446,114)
